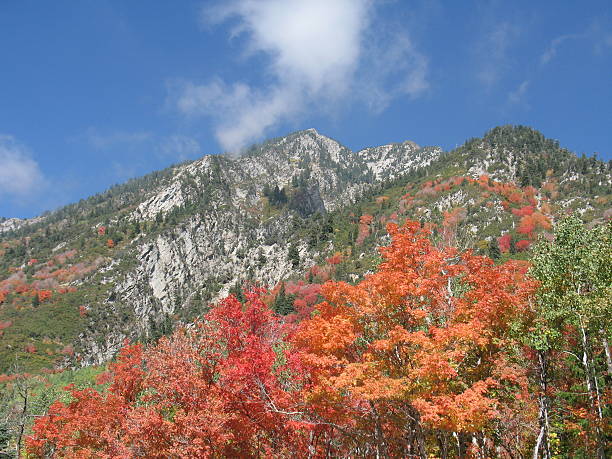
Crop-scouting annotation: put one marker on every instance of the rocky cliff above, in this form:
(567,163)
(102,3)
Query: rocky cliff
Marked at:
(234,234)
(128,262)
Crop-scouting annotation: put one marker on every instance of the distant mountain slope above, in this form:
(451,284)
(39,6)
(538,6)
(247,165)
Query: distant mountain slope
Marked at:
(130,261)
(189,232)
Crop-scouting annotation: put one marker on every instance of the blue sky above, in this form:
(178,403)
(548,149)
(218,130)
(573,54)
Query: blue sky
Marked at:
(97,91)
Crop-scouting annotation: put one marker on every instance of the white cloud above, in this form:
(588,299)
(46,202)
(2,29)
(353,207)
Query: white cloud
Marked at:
(20,175)
(316,57)
(315,43)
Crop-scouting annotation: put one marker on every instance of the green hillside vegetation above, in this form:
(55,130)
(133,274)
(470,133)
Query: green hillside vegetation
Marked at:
(528,182)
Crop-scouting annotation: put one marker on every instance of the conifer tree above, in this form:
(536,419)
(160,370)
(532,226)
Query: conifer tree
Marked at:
(494,251)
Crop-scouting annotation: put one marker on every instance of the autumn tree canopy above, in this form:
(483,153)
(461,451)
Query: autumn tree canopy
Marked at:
(420,353)
(426,357)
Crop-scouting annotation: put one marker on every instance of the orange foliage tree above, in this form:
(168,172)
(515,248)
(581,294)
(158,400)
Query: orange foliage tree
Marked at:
(419,358)
(44,295)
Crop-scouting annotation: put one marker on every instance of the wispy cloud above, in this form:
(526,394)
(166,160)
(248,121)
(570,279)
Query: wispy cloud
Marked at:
(179,146)
(173,146)
(314,52)
(20,174)
(518,96)
(493,52)
(105,140)
(598,34)
(396,69)
(554,45)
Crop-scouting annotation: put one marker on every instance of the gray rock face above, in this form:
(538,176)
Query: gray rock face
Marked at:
(230,235)
(11,224)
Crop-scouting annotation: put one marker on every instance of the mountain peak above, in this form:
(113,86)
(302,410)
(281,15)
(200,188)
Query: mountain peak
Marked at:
(169,243)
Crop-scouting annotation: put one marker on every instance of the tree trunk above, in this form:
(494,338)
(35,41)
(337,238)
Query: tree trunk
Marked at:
(22,423)
(594,398)
(543,440)
(538,445)
(608,356)
(379,435)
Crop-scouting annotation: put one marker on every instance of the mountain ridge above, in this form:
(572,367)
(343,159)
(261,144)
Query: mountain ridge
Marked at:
(162,247)
(14,223)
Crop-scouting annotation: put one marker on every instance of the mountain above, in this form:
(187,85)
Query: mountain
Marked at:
(288,213)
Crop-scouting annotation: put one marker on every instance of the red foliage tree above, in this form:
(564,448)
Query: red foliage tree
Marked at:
(523,211)
(335,259)
(318,273)
(458,181)
(366,219)
(221,389)
(68,350)
(504,243)
(522,245)
(536,220)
